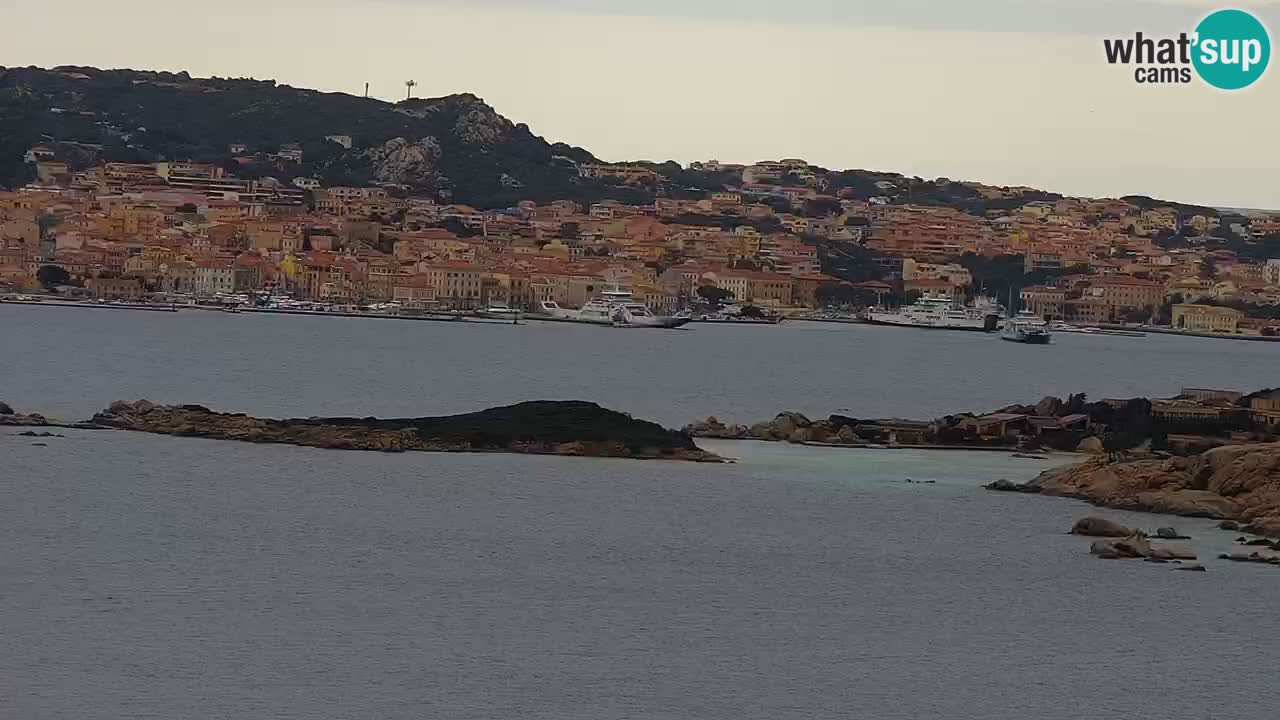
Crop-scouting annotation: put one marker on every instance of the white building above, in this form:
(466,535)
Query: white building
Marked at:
(214,279)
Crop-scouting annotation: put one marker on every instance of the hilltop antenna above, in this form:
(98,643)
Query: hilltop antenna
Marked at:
(409,85)
(366,90)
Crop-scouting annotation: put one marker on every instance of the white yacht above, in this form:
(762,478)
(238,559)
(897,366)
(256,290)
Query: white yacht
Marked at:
(612,307)
(638,315)
(499,312)
(553,310)
(1026,327)
(940,313)
(603,309)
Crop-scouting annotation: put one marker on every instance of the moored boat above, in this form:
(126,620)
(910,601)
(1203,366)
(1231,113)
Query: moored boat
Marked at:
(638,315)
(1026,327)
(499,312)
(938,313)
(613,307)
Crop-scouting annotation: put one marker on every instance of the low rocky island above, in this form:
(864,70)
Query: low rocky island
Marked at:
(537,428)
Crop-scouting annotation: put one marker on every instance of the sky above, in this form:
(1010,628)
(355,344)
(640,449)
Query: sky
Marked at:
(1008,92)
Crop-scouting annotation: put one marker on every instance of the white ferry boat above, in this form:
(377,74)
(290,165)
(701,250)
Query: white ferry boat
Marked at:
(941,314)
(1026,327)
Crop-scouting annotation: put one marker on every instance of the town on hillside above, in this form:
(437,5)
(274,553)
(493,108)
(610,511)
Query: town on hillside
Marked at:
(780,236)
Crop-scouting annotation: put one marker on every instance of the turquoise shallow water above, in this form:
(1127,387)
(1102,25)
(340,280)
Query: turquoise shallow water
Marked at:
(153,577)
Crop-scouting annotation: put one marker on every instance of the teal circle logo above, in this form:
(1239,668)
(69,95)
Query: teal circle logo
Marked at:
(1232,49)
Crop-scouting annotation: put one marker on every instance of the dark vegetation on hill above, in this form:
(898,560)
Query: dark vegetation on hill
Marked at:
(455,144)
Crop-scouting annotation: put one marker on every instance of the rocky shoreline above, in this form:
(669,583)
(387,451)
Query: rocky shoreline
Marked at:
(1189,423)
(570,428)
(11,418)
(1051,423)
(1239,484)
(1200,454)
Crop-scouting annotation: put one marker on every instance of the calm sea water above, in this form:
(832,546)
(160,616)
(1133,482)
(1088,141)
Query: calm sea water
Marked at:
(152,577)
(71,362)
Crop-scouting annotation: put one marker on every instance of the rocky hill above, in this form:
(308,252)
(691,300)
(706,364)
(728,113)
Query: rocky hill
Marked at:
(456,146)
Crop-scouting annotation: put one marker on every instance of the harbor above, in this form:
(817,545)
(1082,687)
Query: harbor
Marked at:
(614,309)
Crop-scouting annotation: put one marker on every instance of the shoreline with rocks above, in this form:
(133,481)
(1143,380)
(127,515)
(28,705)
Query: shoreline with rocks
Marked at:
(1189,423)
(1237,484)
(1158,456)
(1114,541)
(566,428)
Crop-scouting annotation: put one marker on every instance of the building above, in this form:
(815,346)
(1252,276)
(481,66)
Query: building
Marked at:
(1206,318)
(1086,311)
(1126,293)
(1038,259)
(1186,410)
(457,284)
(189,169)
(122,288)
(760,288)
(1211,395)
(212,279)
(628,174)
(1265,400)
(1044,301)
(932,288)
(805,291)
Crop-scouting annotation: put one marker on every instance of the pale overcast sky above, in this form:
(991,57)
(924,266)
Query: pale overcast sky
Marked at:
(1002,91)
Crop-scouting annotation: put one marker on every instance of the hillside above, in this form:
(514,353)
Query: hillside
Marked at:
(457,146)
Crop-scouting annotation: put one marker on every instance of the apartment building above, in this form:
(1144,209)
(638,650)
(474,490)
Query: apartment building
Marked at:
(1206,318)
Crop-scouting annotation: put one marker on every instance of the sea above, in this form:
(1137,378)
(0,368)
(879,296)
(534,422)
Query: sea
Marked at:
(156,577)
(71,362)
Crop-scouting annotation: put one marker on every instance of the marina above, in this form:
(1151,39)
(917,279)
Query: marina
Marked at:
(934,316)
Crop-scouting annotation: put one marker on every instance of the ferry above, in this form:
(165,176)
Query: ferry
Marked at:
(1026,327)
(939,313)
